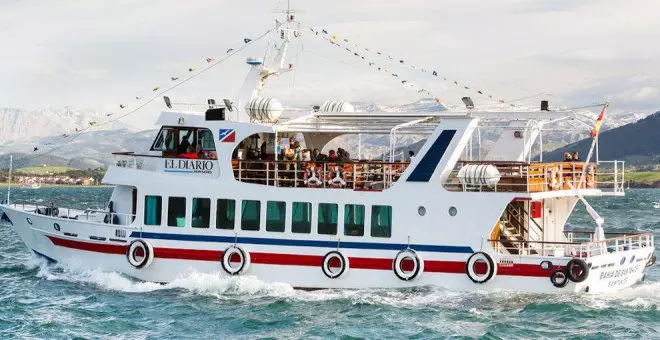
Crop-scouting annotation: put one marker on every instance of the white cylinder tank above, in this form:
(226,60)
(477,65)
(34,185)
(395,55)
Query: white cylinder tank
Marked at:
(264,109)
(479,174)
(337,106)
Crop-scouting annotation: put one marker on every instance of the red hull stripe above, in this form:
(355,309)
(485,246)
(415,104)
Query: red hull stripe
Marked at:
(432,266)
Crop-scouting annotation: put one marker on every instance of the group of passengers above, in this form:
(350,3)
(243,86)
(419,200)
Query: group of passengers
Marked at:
(575,157)
(294,152)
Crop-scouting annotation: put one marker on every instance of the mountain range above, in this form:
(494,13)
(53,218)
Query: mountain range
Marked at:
(23,130)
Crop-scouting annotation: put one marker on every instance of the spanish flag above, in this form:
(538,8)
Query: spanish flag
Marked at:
(599,121)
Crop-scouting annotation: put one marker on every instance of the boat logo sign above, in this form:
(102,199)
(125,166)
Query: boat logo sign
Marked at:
(189,166)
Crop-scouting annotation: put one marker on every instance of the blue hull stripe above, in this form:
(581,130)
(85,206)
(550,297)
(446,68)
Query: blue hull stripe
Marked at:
(302,243)
(48,258)
(424,170)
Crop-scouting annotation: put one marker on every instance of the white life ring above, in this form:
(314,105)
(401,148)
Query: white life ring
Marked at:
(480,258)
(328,267)
(555,178)
(401,272)
(311,180)
(233,253)
(140,254)
(336,178)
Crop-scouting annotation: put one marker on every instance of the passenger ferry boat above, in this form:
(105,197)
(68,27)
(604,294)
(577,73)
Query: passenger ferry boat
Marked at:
(215,194)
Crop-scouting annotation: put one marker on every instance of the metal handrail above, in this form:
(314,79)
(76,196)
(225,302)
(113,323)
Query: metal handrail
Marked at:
(128,218)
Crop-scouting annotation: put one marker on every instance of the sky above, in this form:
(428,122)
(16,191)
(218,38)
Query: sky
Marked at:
(97,54)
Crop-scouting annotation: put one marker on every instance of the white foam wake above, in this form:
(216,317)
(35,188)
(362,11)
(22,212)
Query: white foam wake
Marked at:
(219,285)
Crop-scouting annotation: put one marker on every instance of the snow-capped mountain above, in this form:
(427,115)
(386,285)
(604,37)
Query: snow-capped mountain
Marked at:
(18,124)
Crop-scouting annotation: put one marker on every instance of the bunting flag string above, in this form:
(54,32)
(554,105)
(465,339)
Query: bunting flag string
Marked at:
(335,40)
(356,53)
(210,62)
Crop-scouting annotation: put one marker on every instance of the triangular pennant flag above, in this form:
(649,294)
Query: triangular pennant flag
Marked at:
(479,92)
(122,106)
(404,81)
(174,78)
(334,37)
(362,58)
(138,97)
(230,50)
(208,60)
(379,53)
(501,101)
(467,88)
(247,40)
(372,64)
(345,40)
(324,31)
(435,73)
(108,115)
(155,89)
(455,82)
(401,61)
(191,70)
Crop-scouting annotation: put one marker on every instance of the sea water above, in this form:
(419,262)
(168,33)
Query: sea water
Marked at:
(38,300)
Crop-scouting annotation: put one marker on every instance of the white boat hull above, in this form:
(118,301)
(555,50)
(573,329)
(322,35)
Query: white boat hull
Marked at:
(177,253)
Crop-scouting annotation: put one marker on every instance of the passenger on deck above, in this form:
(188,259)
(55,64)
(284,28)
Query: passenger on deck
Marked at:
(332,156)
(317,156)
(567,157)
(576,156)
(306,155)
(411,155)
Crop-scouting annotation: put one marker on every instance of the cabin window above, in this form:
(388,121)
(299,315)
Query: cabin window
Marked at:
(205,140)
(225,215)
(250,215)
(153,208)
(327,221)
(381,221)
(186,139)
(164,141)
(176,212)
(301,217)
(201,212)
(275,216)
(354,220)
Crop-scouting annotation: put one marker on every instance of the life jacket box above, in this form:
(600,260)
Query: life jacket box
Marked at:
(536,209)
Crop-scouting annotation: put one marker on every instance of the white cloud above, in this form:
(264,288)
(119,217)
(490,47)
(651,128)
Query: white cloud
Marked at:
(96,54)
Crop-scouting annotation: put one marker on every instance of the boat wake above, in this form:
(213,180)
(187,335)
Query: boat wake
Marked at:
(218,285)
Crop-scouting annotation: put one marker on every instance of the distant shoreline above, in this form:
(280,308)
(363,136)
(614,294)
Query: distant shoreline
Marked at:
(44,185)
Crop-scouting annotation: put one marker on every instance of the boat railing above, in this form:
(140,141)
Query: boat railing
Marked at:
(87,215)
(588,235)
(356,175)
(573,249)
(540,177)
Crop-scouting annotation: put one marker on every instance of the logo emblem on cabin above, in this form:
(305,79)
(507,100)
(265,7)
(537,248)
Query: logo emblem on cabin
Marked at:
(227,135)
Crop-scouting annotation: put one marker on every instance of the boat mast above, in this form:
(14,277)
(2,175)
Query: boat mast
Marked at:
(260,70)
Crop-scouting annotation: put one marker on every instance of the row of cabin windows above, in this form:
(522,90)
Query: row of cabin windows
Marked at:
(301,216)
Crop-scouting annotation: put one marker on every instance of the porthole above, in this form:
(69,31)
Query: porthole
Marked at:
(546,265)
(56,226)
(453,211)
(29,221)
(421,211)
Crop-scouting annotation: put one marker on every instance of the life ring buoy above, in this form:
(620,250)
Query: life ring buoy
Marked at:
(591,177)
(474,270)
(577,270)
(400,264)
(311,178)
(332,260)
(140,254)
(559,279)
(555,178)
(337,177)
(234,254)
